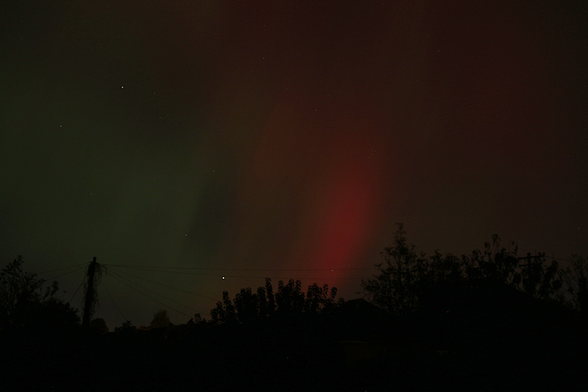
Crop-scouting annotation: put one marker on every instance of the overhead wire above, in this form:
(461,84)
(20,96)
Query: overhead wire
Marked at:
(165,285)
(316,278)
(114,276)
(200,271)
(240,269)
(62,268)
(65,273)
(162,269)
(114,303)
(119,277)
(78,289)
(120,274)
(560,258)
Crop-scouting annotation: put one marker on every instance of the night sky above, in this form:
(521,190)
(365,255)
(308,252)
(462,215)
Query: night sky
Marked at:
(284,135)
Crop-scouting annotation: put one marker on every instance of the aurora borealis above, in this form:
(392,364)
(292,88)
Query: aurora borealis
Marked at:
(286,135)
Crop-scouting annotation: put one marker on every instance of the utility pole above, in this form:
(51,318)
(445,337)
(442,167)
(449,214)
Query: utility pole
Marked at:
(90,297)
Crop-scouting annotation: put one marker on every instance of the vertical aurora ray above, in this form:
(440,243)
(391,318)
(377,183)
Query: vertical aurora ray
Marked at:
(350,203)
(312,189)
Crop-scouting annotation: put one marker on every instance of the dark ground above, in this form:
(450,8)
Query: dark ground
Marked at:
(477,344)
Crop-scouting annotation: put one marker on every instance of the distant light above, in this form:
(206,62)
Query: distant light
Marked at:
(223,278)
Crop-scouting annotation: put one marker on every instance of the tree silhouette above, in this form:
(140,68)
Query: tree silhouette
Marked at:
(289,297)
(160,320)
(126,328)
(271,299)
(25,303)
(407,277)
(531,274)
(394,288)
(320,300)
(99,325)
(248,306)
(576,285)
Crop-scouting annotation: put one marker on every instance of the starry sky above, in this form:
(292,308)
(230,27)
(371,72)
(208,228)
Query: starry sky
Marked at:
(199,139)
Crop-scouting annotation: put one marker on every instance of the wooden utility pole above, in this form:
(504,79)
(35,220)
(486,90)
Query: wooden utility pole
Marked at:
(90,297)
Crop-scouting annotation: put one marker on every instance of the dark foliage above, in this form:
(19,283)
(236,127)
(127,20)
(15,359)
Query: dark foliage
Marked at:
(26,304)
(479,322)
(38,332)
(248,306)
(406,278)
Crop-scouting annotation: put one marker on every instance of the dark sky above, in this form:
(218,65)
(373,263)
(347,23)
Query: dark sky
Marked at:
(284,135)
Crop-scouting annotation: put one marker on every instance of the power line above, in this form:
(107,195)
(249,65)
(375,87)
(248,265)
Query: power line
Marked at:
(66,273)
(78,289)
(289,277)
(151,298)
(165,285)
(114,303)
(114,275)
(258,277)
(156,268)
(560,259)
(151,291)
(59,269)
